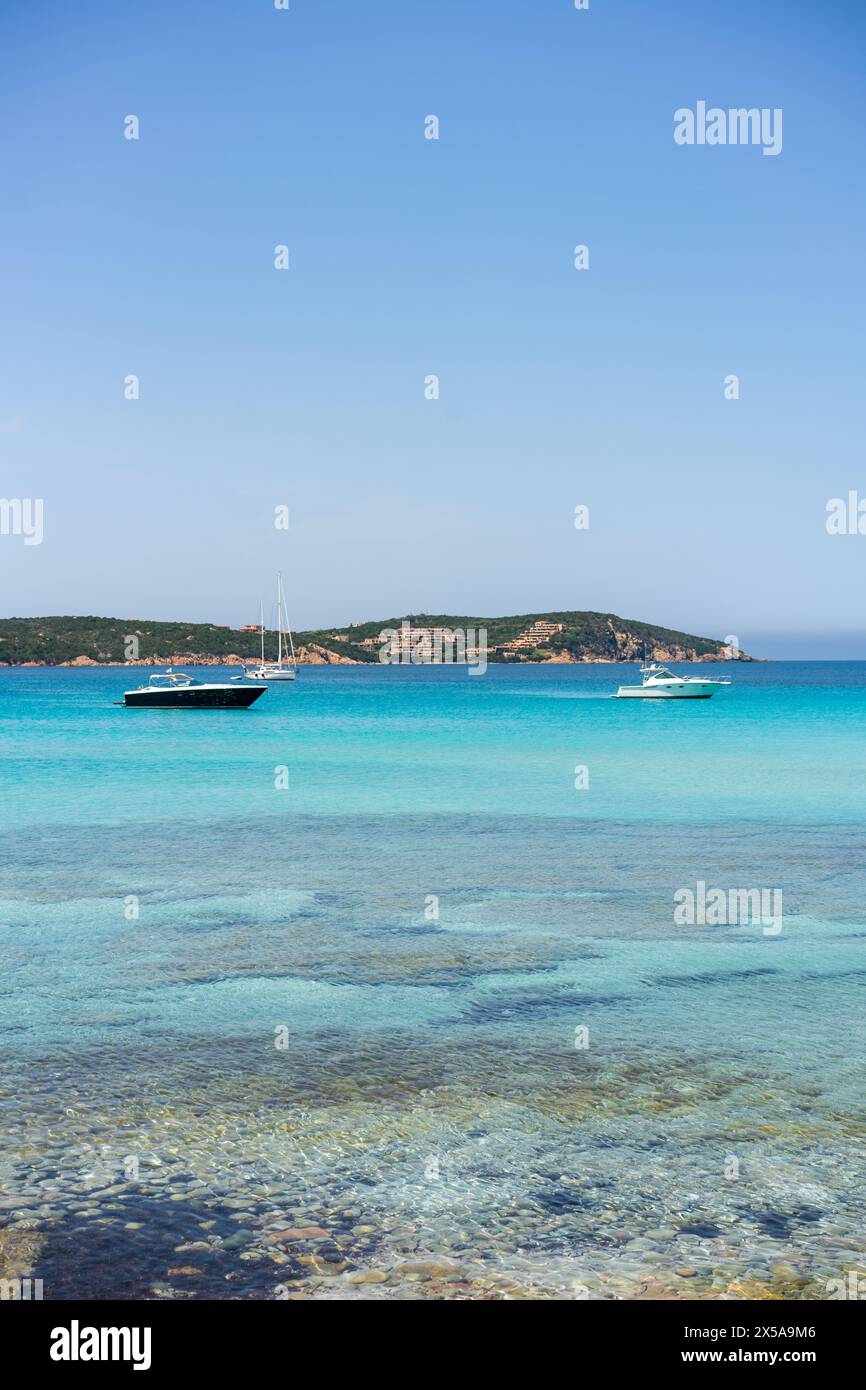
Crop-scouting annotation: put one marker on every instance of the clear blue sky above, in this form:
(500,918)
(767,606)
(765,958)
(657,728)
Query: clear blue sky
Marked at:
(454,257)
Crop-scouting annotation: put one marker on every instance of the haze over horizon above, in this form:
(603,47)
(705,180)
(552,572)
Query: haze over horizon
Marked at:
(454,257)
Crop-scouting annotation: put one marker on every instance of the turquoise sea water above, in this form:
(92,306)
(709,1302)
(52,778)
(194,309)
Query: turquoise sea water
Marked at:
(429,999)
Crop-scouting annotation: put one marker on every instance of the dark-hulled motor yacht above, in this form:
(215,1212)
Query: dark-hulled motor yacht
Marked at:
(177,690)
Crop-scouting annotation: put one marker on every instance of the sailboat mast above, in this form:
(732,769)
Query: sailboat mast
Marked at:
(289,632)
(262,625)
(279,624)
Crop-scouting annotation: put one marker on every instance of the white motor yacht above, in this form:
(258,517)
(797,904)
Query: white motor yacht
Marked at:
(661,684)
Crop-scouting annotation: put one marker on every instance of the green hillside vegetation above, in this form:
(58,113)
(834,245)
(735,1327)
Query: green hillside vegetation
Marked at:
(586,634)
(599,636)
(55,640)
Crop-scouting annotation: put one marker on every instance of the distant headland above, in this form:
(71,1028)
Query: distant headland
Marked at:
(565,637)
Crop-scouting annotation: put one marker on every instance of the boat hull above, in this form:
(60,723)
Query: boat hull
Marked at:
(701,691)
(192,697)
(263,674)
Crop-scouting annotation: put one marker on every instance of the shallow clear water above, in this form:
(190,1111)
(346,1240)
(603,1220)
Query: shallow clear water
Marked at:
(351,1005)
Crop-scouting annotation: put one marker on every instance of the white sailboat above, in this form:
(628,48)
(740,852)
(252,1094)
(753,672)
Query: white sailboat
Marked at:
(285,667)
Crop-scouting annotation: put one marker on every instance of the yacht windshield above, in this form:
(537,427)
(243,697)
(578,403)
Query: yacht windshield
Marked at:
(170,678)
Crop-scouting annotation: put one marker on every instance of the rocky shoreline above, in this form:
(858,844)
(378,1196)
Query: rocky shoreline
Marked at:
(314,655)
(311,655)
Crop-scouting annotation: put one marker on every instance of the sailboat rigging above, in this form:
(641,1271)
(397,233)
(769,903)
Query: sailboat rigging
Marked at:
(285,668)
